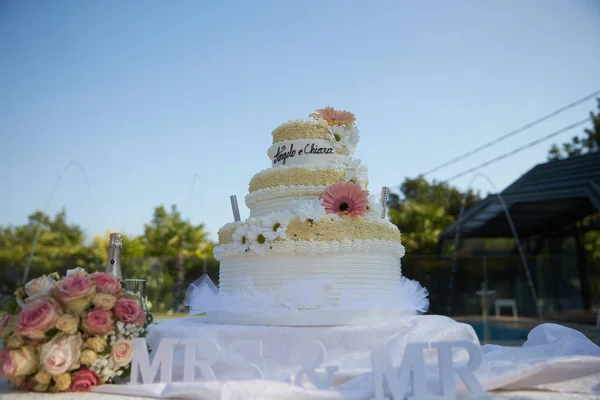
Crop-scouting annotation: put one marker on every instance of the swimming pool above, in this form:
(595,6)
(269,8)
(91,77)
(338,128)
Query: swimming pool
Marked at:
(498,333)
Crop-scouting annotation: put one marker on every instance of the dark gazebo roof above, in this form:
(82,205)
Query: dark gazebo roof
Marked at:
(544,201)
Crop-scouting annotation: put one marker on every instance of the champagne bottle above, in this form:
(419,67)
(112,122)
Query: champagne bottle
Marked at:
(115,246)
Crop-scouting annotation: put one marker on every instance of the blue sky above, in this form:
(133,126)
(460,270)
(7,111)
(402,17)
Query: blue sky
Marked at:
(146,94)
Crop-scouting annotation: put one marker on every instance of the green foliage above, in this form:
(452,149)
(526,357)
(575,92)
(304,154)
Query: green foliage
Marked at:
(151,256)
(60,244)
(422,210)
(589,142)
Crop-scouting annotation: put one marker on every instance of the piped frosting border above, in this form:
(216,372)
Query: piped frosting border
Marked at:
(329,229)
(300,129)
(314,247)
(298,175)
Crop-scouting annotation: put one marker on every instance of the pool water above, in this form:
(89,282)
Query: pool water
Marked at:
(499,332)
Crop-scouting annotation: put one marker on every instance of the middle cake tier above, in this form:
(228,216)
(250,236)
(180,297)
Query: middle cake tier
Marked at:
(272,189)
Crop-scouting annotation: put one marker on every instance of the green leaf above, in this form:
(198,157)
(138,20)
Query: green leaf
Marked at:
(52,332)
(10,306)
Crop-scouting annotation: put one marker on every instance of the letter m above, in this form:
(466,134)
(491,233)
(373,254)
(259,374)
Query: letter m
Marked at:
(141,365)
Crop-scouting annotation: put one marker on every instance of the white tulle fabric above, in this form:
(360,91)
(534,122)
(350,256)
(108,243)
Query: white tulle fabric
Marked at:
(204,297)
(554,358)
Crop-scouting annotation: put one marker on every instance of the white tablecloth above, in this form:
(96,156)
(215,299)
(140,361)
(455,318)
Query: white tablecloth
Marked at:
(559,360)
(554,358)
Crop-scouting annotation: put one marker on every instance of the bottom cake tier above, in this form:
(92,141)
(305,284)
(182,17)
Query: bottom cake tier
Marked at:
(360,269)
(309,283)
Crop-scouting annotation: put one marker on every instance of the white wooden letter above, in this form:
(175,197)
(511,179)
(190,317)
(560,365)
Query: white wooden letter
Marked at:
(448,369)
(400,385)
(163,356)
(241,364)
(315,355)
(190,363)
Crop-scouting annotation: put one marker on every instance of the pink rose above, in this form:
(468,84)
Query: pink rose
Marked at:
(129,311)
(17,362)
(84,380)
(59,354)
(97,322)
(106,283)
(122,352)
(75,293)
(36,318)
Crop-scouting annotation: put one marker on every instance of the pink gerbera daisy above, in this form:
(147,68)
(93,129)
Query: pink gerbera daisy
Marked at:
(345,198)
(335,117)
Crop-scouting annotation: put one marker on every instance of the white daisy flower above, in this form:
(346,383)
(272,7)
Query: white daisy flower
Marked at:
(240,238)
(275,225)
(341,137)
(374,208)
(356,172)
(257,237)
(337,136)
(353,137)
(308,210)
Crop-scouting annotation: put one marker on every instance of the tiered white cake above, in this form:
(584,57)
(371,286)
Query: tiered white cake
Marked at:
(315,240)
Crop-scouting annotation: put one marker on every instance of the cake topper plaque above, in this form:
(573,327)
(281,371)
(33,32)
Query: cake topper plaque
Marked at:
(234,208)
(385,192)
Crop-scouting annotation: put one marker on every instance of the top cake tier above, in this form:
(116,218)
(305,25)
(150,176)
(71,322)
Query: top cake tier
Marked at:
(314,141)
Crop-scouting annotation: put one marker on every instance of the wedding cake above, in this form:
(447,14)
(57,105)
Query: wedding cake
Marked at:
(316,242)
(312,297)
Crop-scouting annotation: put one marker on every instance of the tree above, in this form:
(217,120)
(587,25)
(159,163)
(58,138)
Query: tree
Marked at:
(422,210)
(170,237)
(60,245)
(587,143)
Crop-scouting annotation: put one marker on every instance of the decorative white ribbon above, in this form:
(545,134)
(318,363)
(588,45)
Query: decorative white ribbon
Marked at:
(204,297)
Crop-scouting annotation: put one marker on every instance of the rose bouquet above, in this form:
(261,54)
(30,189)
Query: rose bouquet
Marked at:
(70,333)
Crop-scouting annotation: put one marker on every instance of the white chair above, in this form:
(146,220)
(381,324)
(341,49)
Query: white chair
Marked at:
(512,303)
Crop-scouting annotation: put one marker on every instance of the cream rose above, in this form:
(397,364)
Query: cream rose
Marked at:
(96,343)
(17,381)
(122,352)
(76,272)
(15,341)
(62,382)
(104,301)
(38,287)
(4,320)
(88,357)
(43,378)
(57,355)
(67,323)
(17,362)
(40,388)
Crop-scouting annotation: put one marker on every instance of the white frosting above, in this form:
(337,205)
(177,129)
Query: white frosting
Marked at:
(277,199)
(362,267)
(302,152)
